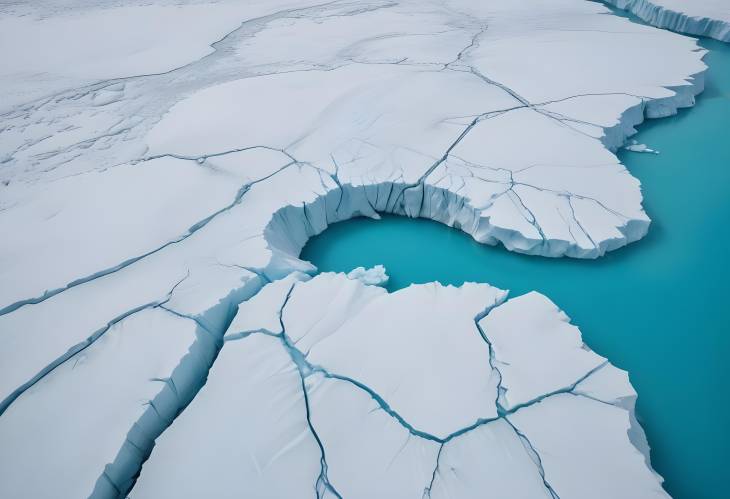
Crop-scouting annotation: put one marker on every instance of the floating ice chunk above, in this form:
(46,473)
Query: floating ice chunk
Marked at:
(636,147)
(374,276)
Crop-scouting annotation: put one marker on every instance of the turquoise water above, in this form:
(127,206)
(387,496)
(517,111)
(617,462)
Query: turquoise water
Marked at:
(657,308)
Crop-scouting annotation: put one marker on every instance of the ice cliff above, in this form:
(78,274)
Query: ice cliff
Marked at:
(706,18)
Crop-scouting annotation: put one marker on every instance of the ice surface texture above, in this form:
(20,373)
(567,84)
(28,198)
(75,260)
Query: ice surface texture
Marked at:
(161,164)
(431,391)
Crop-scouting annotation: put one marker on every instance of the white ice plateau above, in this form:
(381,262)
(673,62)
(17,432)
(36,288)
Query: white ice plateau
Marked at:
(163,164)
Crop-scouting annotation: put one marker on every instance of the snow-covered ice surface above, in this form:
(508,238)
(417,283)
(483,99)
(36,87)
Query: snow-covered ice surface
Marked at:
(52,431)
(705,18)
(161,164)
(50,46)
(430,391)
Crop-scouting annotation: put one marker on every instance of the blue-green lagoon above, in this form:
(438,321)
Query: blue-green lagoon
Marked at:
(657,308)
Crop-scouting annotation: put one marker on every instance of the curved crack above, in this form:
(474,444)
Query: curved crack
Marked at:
(535,457)
(126,263)
(80,347)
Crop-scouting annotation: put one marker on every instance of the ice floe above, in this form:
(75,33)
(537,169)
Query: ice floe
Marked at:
(400,399)
(705,18)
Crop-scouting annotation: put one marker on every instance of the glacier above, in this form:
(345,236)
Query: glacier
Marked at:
(158,189)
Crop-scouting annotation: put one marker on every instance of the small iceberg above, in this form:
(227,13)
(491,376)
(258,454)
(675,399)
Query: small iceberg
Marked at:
(634,146)
(374,276)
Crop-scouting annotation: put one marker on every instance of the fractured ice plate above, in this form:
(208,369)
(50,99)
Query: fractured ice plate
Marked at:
(430,391)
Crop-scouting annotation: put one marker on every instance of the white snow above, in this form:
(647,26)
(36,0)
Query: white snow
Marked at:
(634,146)
(369,454)
(337,298)
(485,459)
(262,312)
(395,343)
(89,223)
(74,421)
(390,394)
(579,437)
(538,352)
(225,450)
(52,48)
(162,163)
